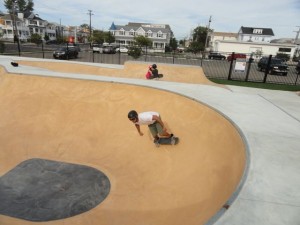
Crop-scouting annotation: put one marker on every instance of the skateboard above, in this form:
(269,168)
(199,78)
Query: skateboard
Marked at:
(167,141)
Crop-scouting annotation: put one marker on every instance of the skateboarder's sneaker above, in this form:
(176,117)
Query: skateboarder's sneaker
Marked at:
(155,141)
(173,140)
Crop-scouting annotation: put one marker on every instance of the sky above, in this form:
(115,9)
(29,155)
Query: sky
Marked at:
(283,16)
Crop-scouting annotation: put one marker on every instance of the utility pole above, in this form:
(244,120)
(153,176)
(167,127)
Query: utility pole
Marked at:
(207,31)
(90,14)
(297,35)
(15,29)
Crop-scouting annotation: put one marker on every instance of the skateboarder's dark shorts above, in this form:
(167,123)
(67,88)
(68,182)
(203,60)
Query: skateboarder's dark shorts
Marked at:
(155,129)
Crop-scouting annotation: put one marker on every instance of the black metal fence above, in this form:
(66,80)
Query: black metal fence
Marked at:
(240,70)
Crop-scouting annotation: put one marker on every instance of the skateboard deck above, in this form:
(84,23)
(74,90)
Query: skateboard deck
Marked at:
(167,141)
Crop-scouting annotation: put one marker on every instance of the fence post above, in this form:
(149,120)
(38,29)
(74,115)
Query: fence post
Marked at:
(297,78)
(249,67)
(230,69)
(43,49)
(267,69)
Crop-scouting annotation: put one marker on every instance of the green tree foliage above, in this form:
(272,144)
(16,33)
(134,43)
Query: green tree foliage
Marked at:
(283,56)
(135,52)
(173,44)
(109,37)
(22,5)
(98,36)
(46,38)
(142,41)
(199,38)
(195,47)
(2,47)
(36,38)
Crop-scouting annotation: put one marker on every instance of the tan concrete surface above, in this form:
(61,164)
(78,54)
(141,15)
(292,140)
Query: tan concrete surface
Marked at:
(177,73)
(85,122)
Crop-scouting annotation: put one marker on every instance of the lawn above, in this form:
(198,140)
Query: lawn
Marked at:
(282,87)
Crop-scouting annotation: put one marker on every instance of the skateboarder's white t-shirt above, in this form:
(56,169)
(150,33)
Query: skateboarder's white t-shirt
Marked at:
(145,118)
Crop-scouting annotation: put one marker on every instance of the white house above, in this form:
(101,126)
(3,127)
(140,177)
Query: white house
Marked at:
(254,34)
(256,41)
(159,34)
(7,27)
(255,48)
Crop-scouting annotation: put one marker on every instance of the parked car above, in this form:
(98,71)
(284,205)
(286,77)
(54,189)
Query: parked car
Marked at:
(277,66)
(236,56)
(65,53)
(109,50)
(216,55)
(298,68)
(52,42)
(73,45)
(97,48)
(122,50)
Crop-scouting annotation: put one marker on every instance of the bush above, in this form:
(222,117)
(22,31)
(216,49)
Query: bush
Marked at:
(2,47)
(135,52)
(283,56)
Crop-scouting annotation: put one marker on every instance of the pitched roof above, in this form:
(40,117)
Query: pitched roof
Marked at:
(251,30)
(227,34)
(164,28)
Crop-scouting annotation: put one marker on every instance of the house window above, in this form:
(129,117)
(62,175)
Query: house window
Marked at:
(121,32)
(285,49)
(131,32)
(159,34)
(257,31)
(149,34)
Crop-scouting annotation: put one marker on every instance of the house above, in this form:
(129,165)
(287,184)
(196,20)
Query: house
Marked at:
(250,40)
(159,34)
(253,34)
(35,24)
(224,36)
(7,26)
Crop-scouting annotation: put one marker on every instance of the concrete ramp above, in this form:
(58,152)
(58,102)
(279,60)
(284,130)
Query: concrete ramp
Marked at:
(171,72)
(85,123)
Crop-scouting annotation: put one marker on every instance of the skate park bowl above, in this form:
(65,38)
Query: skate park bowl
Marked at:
(82,126)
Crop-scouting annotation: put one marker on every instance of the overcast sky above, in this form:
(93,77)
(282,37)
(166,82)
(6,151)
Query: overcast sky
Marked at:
(283,16)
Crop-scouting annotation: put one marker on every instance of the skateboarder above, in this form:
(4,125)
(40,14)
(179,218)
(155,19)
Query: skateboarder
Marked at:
(155,72)
(149,74)
(154,122)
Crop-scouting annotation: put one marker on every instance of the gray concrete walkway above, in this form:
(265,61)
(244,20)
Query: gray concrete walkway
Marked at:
(269,121)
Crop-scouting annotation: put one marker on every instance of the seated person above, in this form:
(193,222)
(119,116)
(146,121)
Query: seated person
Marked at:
(155,72)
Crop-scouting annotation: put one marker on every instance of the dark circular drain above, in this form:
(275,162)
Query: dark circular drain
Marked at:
(44,190)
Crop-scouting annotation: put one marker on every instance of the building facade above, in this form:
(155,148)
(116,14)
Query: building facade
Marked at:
(254,34)
(159,34)
(250,40)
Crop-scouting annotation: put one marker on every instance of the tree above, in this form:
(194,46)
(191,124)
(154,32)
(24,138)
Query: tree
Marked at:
(199,34)
(22,5)
(36,38)
(195,47)
(173,44)
(135,52)
(109,37)
(142,41)
(199,38)
(98,36)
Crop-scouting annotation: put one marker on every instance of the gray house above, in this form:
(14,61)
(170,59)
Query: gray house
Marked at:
(159,34)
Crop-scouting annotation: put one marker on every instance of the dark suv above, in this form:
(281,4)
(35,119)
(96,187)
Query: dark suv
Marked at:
(65,53)
(216,55)
(277,66)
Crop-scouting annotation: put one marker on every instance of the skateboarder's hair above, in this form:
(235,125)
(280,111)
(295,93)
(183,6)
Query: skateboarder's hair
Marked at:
(132,114)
